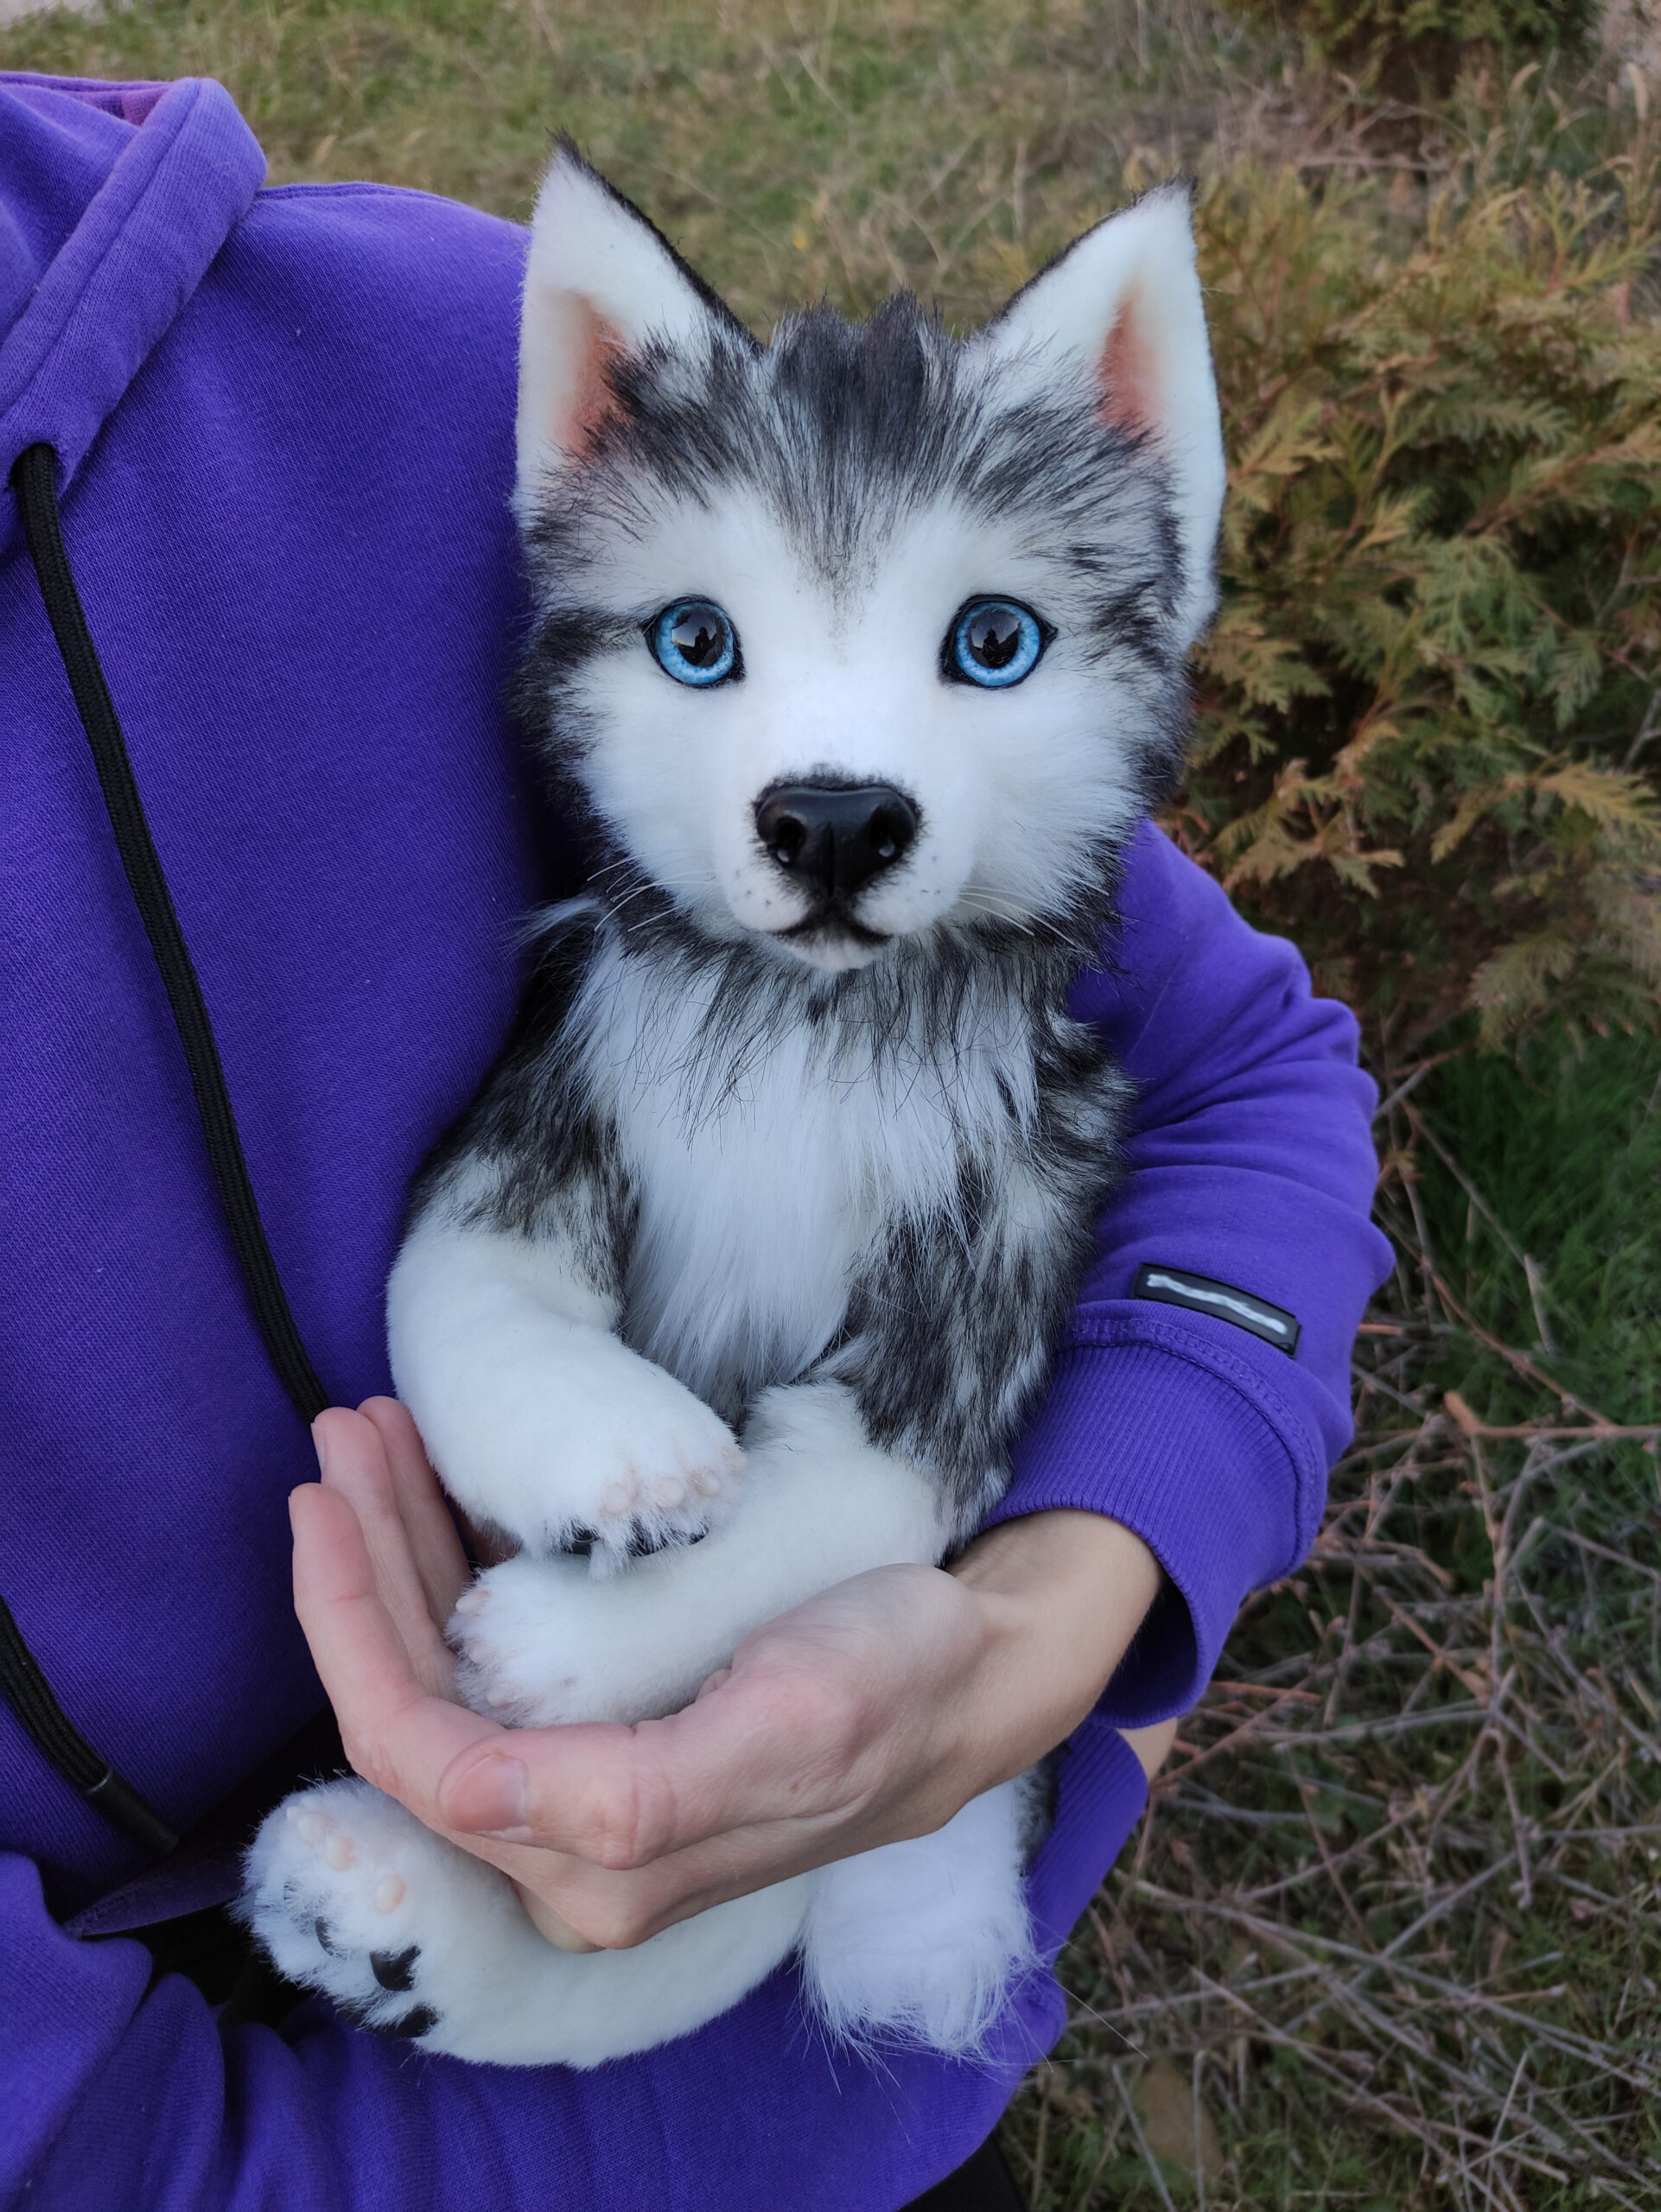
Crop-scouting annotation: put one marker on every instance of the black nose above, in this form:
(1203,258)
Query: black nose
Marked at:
(834,842)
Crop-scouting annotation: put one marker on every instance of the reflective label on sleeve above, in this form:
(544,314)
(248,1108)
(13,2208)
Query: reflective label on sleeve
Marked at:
(1202,1295)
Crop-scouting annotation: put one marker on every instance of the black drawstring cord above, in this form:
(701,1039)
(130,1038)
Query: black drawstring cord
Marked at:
(30,1696)
(34,480)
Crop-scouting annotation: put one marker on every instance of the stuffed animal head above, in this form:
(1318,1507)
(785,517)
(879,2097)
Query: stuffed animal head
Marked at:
(867,638)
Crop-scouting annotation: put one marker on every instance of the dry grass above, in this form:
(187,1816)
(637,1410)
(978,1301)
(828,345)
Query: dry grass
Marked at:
(793,148)
(1388,1936)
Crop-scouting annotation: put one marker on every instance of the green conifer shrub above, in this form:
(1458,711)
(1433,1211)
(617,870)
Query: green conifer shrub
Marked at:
(1430,710)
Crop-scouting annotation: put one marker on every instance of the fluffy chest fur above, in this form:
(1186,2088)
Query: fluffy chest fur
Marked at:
(777,1138)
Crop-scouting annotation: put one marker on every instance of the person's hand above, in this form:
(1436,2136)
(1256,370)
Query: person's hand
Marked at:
(870,1713)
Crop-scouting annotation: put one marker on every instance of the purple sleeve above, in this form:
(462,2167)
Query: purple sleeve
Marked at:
(1252,1164)
(115,2096)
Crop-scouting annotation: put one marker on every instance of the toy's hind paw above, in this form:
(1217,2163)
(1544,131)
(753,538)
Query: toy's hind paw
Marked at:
(923,1940)
(541,1641)
(342,1885)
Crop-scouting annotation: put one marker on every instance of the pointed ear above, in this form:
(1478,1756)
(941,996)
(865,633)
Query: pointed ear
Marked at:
(1124,302)
(601,282)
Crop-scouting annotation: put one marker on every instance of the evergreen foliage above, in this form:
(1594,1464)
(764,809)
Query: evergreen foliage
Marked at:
(1432,701)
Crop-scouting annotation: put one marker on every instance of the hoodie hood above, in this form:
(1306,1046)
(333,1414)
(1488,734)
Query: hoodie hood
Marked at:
(113,203)
(285,426)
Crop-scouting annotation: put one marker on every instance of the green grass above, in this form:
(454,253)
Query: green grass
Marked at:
(1565,1158)
(791,151)
(1451,1711)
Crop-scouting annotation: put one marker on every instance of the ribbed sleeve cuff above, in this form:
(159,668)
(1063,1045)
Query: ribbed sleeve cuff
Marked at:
(1161,1430)
(1101,1794)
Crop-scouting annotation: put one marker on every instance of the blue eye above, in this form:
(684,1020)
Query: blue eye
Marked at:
(694,642)
(994,642)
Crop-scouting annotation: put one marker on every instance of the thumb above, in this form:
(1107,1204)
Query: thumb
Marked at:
(746,1752)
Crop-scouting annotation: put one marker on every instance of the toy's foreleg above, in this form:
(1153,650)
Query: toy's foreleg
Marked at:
(542,1642)
(539,1420)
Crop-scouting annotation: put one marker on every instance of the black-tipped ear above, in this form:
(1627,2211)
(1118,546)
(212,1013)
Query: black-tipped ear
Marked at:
(1124,304)
(600,283)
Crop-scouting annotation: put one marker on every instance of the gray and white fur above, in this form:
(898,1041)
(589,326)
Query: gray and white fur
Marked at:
(741,1273)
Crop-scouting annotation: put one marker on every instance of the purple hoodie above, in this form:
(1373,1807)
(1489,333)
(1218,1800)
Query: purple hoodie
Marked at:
(284,421)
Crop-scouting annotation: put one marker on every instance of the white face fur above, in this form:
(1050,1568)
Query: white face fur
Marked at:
(845,674)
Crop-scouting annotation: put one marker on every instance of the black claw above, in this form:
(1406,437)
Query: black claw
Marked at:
(411,2026)
(641,1542)
(395,1969)
(325,1935)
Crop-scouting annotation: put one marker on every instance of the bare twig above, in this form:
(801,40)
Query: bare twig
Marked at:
(1411,1765)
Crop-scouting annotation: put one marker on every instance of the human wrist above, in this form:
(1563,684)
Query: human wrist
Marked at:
(1061,1594)
(1057,1546)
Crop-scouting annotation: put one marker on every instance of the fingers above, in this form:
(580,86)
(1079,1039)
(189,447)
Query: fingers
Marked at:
(435,1548)
(397,1734)
(582,1907)
(770,1745)
(355,1594)
(638,1828)
(357,1466)
(417,1746)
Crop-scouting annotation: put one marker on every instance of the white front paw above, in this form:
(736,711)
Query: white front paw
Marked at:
(659,1469)
(567,1441)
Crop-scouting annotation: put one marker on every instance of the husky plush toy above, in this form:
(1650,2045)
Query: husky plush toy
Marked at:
(860,654)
